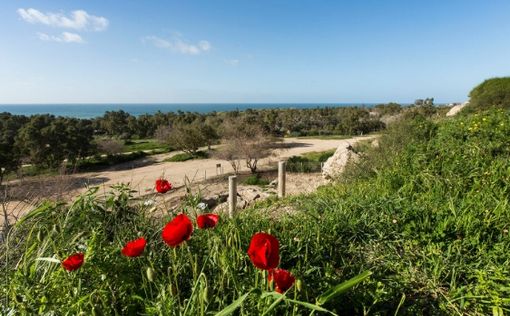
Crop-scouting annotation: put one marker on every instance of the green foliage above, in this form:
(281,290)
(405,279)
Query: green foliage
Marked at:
(117,123)
(205,275)
(47,140)
(186,137)
(9,154)
(309,162)
(428,217)
(256,179)
(493,92)
(144,145)
(186,156)
(391,108)
(100,162)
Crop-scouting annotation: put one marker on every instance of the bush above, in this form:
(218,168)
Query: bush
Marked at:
(98,162)
(188,156)
(309,162)
(256,179)
(493,92)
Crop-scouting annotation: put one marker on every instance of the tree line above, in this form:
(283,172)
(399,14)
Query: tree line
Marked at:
(46,140)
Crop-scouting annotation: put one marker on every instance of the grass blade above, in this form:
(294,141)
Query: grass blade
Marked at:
(342,288)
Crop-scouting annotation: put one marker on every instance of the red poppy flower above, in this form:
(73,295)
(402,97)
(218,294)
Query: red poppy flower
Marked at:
(73,262)
(134,248)
(163,186)
(177,230)
(264,251)
(207,220)
(283,279)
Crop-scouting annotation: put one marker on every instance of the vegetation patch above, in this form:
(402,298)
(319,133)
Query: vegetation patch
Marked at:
(187,156)
(145,145)
(308,162)
(256,179)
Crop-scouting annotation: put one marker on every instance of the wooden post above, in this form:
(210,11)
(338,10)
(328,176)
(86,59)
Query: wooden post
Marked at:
(281,179)
(232,195)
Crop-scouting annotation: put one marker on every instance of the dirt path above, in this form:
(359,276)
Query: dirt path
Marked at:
(142,176)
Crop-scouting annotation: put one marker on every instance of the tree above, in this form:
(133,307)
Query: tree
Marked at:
(77,141)
(245,141)
(109,146)
(115,123)
(493,92)
(209,134)
(181,136)
(391,108)
(47,140)
(9,153)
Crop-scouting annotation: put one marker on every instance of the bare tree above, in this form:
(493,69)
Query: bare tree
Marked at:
(109,146)
(230,153)
(245,141)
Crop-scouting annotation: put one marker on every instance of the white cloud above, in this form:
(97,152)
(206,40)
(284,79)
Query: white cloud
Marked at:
(178,45)
(78,20)
(65,37)
(232,62)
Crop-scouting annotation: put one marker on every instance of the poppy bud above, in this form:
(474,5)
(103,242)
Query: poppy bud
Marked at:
(299,285)
(173,289)
(283,279)
(150,274)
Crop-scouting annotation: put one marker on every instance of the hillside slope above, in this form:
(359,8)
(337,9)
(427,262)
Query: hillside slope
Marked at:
(427,212)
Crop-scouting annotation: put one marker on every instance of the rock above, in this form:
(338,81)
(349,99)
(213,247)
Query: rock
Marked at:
(375,143)
(334,166)
(273,183)
(245,197)
(213,200)
(221,208)
(456,109)
(249,194)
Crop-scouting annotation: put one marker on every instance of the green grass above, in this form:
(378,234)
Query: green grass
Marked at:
(186,156)
(319,156)
(144,145)
(427,213)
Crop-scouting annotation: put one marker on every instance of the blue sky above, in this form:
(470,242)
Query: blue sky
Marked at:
(89,51)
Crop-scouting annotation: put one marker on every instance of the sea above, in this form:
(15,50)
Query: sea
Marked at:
(95,110)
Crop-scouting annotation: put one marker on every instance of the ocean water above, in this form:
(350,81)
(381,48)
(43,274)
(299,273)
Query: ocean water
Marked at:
(95,110)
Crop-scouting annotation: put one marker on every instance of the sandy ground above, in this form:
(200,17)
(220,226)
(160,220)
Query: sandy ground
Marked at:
(142,178)
(142,174)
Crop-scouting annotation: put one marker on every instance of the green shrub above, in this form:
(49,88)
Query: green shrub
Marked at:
(309,162)
(256,179)
(98,162)
(493,92)
(187,156)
